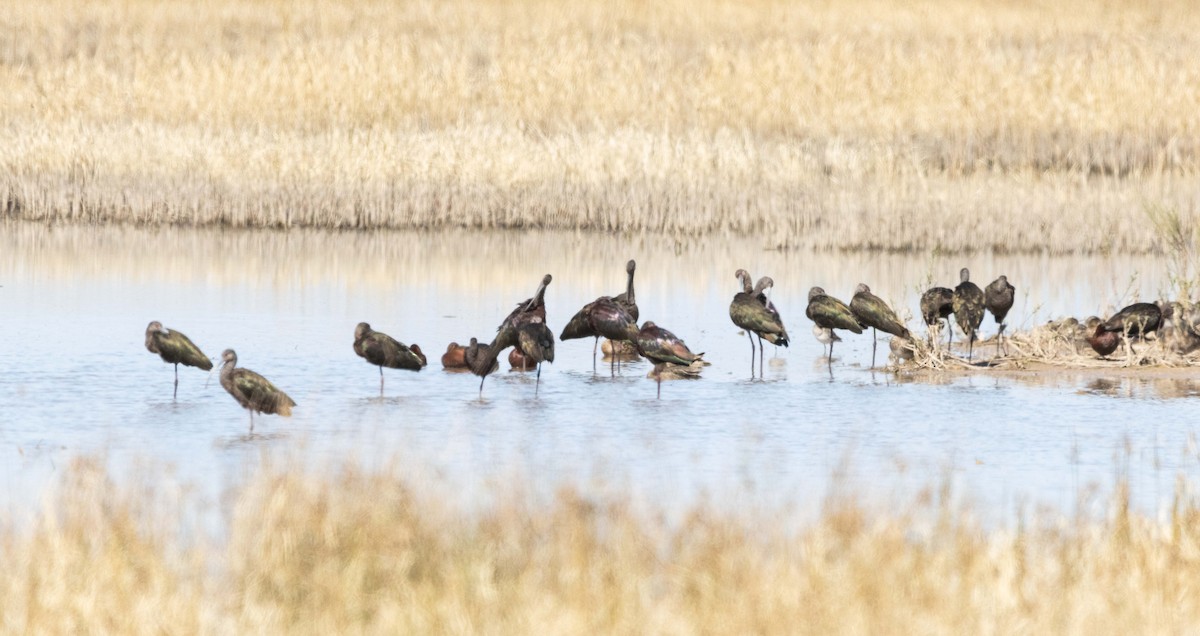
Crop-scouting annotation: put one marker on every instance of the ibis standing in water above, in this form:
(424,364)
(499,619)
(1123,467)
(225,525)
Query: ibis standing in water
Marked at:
(968,308)
(754,313)
(830,313)
(937,304)
(666,350)
(998,299)
(175,348)
(525,327)
(870,311)
(473,355)
(581,325)
(382,350)
(252,391)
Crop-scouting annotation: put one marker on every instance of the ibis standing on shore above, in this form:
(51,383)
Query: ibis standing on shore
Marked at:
(968,308)
(382,350)
(175,348)
(870,311)
(998,299)
(252,391)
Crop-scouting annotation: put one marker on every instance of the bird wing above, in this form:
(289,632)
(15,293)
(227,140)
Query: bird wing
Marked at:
(175,347)
(828,311)
(871,311)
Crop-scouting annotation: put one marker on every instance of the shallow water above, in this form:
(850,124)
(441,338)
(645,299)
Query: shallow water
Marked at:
(74,303)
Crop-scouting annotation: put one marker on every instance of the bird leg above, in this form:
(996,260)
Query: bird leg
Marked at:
(481,386)
(760,357)
(874,344)
(658,378)
(751,338)
(175,395)
(538,381)
(595,343)
(251,420)
(612,364)
(970,346)
(381,381)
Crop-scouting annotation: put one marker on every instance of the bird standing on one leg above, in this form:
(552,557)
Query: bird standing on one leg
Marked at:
(937,304)
(175,348)
(830,313)
(382,350)
(252,391)
(871,311)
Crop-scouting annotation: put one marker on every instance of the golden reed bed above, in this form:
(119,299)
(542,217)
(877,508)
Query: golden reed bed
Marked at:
(862,124)
(355,551)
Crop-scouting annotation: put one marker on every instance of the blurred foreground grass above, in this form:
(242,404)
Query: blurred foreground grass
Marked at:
(358,551)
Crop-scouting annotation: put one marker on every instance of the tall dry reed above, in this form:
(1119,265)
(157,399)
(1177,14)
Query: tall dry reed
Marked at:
(951,125)
(358,551)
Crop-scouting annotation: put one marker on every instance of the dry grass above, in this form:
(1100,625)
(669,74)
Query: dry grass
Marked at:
(371,552)
(951,125)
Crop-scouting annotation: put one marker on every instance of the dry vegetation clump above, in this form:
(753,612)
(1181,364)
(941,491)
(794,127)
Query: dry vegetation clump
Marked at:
(861,124)
(354,551)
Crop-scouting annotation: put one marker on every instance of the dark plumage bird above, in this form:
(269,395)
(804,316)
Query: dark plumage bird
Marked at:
(870,311)
(1137,319)
(175,348)
(968,309)
(1103,342)
(753,312)
(664,348)
(998,299)
(252,391)
(830,313)
(509,334)
(936,305)
(455,356)
(582,324)
(475,355)
(382,350)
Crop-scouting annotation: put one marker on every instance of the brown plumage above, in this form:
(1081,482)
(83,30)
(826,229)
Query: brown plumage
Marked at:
(830,313)
(871,311)
(583,324)
(508,334)
(1103,342)
(455,356)
(475,355)
(968,309)
(382,350)
(252,391)
(937,304)
(998,299)
(751,310)
(664,348)
(175,348)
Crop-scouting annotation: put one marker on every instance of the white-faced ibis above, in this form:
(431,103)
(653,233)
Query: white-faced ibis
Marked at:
(664,348)
(175,348)
(968,309)
(583,324)
(382,350)
(252,391)
(455,356)
(754,313)
(870,311)
(830,313)
(936,305)
(1135,320)
(475,355)
(998,299)
(509,334)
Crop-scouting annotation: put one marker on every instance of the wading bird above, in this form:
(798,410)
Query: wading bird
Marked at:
(937,304)
(581,325)
(382,350)
(252,391)
(455,356)
(754,313)
(175,348)
(1102,342)
(509,334)
(665,349)
(870,311)
(825,336)
(830,313)
(474,355)
(1134,320)
(998,299)
(968,309)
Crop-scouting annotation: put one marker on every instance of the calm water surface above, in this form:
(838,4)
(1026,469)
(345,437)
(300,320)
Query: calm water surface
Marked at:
(74,303)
